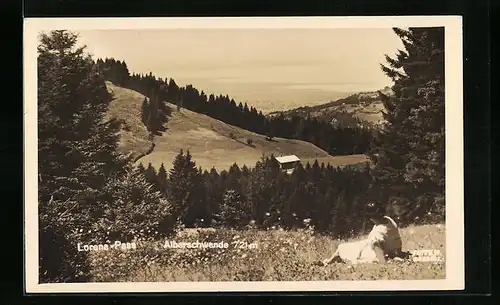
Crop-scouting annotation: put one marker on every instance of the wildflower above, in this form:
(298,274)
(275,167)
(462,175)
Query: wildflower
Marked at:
(307,221)
(267,214)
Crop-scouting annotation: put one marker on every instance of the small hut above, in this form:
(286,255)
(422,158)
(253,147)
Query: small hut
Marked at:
(288,163)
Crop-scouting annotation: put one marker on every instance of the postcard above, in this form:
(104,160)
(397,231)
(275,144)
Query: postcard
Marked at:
(242,154)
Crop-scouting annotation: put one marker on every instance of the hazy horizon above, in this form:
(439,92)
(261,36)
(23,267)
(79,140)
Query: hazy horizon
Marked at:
(270,69)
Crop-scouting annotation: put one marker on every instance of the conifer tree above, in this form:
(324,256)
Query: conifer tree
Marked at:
(141,168)
(145,113)
(259,189)
(138,211)
(150,174)
(214,190)
(231,212)
(72,100)
(316,173)
(245,171)
(79,169)
(162,179)
(339,224)
(234,176)
(409,151)
(324,213)
(186,189)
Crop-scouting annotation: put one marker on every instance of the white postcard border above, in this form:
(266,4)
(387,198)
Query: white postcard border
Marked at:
(454,149)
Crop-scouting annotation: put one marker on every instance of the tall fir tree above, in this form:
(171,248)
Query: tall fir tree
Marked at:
(162,177)
(409,151)
(150,174)
(80,170)
(214,190)
(186,190)
(260,189)
(76,149)
(145,113)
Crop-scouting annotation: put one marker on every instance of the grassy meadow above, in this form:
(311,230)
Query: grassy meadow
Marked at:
(212,142)
(257,255)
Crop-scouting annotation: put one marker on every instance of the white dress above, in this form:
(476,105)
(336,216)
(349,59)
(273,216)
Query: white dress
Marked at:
(384,239)
(357,252)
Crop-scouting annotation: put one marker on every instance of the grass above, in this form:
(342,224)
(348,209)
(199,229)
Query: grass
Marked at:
(216,144)
(211,142)
(126,106)
(276,255)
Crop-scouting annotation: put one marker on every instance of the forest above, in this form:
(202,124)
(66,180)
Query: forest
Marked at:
(331,198)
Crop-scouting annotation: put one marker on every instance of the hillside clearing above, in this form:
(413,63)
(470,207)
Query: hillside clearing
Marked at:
(126,107)
(365,106)
(212,143)
(275,256)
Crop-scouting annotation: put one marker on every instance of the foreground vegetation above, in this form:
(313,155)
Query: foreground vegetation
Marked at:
(258,255)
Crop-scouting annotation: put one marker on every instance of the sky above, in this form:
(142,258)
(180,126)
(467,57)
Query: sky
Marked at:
(268,68)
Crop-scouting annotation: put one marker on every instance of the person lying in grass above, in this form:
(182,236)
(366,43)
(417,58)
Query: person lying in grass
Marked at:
(383,242)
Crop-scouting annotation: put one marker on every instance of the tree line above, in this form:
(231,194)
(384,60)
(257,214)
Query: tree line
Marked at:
(333,138)
(332,198)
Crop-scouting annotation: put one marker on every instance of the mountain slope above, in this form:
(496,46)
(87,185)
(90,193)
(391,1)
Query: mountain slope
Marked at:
(126,107)
(211,142)
(216,144)
(364,106)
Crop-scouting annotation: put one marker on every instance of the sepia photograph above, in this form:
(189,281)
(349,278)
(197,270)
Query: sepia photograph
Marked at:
(243,154)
